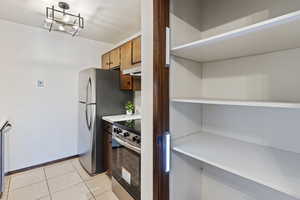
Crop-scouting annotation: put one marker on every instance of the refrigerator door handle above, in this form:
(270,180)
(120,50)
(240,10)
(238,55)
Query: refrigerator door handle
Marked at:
(88,122)
(87,117)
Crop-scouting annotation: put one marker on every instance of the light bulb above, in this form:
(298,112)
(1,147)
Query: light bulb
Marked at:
(61,28)
(76,27)
(48,20)
(66,18)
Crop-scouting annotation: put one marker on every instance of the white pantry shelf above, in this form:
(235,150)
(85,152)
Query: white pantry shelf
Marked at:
(276,34)
(274,168)
(272,104)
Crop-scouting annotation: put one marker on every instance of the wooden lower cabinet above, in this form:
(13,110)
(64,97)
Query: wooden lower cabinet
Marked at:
(128,82)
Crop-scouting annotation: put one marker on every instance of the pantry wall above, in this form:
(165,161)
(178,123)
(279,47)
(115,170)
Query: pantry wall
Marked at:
(234,115)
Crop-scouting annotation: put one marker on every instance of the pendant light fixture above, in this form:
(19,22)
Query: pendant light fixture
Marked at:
(60,20)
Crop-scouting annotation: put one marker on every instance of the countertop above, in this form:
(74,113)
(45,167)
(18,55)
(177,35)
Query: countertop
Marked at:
(118,118)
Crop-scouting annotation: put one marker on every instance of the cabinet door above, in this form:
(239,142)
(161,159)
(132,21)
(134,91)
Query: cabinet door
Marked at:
(115,58)
(105,61)
(126,56)
(136,83)
(132,83)
(136,50)
(126,82)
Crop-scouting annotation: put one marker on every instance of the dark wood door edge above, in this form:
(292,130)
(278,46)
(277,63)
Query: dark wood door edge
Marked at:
(41,165)
(161,99)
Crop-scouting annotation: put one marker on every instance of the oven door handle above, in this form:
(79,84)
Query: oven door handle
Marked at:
(127,145)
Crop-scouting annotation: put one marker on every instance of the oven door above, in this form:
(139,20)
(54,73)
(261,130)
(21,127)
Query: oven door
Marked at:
(126,166)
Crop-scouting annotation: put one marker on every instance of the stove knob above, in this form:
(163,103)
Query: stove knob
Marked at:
(126,134)
(138,140)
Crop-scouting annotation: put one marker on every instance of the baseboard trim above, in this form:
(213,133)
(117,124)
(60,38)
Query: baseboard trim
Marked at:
(41,165)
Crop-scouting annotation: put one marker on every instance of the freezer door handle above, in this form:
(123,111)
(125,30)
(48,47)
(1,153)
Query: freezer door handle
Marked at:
(88,123)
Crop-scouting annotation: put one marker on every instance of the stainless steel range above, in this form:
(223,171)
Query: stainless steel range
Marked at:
(126,160)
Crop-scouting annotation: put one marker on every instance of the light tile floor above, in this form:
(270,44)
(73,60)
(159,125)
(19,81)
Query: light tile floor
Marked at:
(65,180)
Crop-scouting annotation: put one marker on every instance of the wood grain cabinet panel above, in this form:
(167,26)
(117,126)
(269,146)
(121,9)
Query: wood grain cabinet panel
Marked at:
(115,58)
(136,83)
(126,56)
(125,82)
(136,50)
(128,82)
(105,61)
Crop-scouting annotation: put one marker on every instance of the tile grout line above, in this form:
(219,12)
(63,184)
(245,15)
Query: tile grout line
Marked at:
(64,174)
(26,185)
(40,181)
(8,189)
(47,184)
(85,182)
(94,197)
(66,188)
(75,171)
(46,180)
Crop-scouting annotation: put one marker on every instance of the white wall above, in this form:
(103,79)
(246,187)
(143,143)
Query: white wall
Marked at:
(44,119)
(147,103)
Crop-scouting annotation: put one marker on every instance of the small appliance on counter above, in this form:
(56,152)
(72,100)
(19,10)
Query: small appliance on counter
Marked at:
(99,95)
(126,159)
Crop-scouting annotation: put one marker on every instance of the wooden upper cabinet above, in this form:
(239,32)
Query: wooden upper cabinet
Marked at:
(128,82)
(126,56)
(115,60)
(125,82)
(136,50)
(105,61)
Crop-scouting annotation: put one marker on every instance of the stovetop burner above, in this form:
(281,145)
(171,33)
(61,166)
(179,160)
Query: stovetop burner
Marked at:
(130,125)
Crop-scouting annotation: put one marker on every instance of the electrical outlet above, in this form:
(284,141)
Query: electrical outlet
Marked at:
(40,84)
(126,175)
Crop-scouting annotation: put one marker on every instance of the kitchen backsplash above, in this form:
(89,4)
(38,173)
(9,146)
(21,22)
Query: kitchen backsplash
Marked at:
(137,101)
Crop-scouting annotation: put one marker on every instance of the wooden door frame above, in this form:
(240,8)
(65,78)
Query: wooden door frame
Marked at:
(160,98)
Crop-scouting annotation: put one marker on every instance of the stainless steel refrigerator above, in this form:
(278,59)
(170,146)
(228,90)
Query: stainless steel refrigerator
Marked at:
(99,95)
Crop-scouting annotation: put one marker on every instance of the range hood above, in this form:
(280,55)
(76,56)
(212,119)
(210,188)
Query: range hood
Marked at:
(136,71)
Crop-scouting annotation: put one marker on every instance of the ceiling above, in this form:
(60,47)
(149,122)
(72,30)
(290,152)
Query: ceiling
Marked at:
(105,20)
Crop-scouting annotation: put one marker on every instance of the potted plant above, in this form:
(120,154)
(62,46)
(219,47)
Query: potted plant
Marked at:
(129,108)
